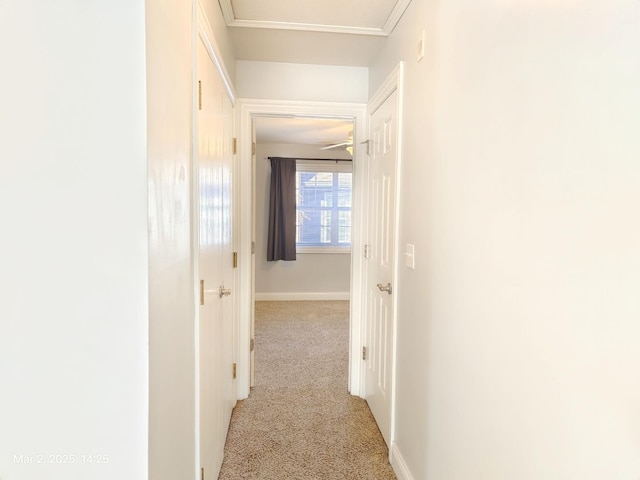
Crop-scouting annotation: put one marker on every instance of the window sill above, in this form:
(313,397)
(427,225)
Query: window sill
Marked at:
(303,250)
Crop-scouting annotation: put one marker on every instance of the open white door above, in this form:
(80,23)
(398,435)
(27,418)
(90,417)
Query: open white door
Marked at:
(380,261)
(252,308)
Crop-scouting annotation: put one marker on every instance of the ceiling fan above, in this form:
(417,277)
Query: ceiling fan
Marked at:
(348,144)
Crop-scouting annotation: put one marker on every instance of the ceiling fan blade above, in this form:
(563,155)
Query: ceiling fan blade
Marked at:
(336,145)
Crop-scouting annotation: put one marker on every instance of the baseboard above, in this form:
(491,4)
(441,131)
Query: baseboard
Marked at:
(291,296)
(399,466)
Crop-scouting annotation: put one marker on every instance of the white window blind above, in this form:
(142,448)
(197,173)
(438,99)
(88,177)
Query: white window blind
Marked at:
(323,206)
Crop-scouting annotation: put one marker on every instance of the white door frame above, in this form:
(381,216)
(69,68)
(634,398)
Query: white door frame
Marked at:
(247,109)
(394,82)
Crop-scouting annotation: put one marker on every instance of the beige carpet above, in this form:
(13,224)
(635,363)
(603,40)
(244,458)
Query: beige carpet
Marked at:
(300,422)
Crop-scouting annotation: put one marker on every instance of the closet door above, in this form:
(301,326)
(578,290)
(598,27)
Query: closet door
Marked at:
(215,262)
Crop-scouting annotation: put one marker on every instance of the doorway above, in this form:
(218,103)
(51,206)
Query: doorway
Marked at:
(322,268)
(322,150)
(249,112)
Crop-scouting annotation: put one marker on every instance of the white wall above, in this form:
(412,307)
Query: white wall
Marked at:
(287,81)
(73,249)
(518,330)
(312,275)
(172,388)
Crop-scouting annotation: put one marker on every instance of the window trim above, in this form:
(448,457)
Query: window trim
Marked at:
(327,249)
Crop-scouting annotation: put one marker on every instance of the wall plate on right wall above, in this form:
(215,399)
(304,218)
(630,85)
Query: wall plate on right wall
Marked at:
(410,256)
(420,50)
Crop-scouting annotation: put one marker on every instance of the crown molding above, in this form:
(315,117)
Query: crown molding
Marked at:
(307,27)
(395,16)
(392,21)
(205,32)
(227,11)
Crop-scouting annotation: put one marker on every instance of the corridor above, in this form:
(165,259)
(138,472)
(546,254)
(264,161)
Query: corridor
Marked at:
(299,421)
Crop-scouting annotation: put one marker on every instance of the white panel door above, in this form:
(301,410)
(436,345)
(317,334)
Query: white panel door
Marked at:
(215,262)
(252,301)
(379,323)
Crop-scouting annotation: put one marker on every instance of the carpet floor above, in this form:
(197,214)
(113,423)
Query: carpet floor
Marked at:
(299,421)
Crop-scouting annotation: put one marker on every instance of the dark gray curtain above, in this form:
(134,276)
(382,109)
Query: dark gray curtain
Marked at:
(281,243)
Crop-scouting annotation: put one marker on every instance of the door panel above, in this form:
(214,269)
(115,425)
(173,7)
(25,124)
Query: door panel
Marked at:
(379,324)
(215,269)
(252,321)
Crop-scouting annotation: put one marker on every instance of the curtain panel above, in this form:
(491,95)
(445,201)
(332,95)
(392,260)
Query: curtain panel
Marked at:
(281,241)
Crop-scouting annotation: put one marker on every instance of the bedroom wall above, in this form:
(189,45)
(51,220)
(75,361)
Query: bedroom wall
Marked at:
(313,276)
(517,331)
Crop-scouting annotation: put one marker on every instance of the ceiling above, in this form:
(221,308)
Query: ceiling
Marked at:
(368,17)
(320,32)
(303,131)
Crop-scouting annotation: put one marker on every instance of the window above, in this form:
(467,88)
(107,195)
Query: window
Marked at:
(323,208)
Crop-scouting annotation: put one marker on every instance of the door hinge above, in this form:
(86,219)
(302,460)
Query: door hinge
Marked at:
(201,292)
(253,148)
(366,251)
(199,95)
(234,370)
(235,145)
(202,473)
(367,143)
(252,344)
(253,247)
(364,353)
(235,259)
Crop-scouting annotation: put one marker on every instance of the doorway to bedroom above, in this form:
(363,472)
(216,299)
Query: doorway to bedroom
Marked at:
(320,150)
